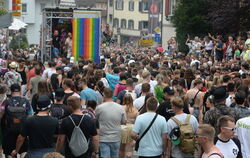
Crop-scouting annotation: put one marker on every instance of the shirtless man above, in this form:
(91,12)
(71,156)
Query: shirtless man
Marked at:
(205,138)
(194,97)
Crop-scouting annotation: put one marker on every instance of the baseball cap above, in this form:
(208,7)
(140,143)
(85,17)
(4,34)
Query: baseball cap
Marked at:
(15,87)
(169,90)
(59,94)
(43,103)
(175,136)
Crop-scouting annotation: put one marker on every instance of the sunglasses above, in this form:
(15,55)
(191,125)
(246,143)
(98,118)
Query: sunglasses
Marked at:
(199,136)
(232,129)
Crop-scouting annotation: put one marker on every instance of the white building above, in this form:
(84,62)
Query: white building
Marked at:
(129,19)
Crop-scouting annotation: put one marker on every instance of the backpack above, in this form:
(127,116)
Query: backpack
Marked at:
(15,115)
(78,143)
(57,111)
(187,141)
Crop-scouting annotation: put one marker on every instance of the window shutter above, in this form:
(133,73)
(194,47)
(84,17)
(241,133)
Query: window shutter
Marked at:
(140,25)
(116,4)
(140,6)
(167,8)
(122,4)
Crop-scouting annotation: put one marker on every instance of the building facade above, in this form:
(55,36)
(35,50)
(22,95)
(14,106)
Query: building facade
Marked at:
(129,19)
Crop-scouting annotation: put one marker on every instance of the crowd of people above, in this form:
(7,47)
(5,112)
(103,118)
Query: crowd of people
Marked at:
(157,103)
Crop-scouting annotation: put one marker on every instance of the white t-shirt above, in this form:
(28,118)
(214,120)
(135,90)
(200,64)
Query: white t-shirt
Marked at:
(48,73)
(152,85)
(230,148)
(209,45)
(138,103)
(243,132)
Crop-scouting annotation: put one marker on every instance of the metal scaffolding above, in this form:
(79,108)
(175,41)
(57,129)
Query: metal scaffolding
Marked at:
(46,31)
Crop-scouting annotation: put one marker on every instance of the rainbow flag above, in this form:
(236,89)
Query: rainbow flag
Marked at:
(86,38)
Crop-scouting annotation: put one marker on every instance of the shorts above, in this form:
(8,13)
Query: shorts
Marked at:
(109,149)
(126,133)
(38,153)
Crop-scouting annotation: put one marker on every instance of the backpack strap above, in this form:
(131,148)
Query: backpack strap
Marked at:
(187,119)
(74,122)
(176,121)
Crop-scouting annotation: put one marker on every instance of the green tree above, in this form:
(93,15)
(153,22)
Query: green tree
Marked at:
(190,18)
(3,11)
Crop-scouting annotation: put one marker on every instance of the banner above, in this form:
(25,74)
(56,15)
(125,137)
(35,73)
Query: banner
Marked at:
(153,15)
(86,38)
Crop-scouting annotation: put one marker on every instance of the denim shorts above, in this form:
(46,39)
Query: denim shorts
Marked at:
(38,153)
(109,149)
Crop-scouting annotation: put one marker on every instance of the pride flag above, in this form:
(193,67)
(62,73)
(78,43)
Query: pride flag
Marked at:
(86,38)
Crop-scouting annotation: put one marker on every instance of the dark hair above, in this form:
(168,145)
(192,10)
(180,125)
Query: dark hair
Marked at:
(143,108)
(92,104)
(240,97)
(68,83)
(226,78)
(123,76)
(38,71)
(130,82)
(100,86)
(145,88)
(116,70)
(230,87)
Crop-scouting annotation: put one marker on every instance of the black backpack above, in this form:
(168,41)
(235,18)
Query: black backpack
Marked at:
(57,111)
(15,115)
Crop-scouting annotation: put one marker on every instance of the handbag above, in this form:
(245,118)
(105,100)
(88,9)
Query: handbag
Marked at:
(144,133)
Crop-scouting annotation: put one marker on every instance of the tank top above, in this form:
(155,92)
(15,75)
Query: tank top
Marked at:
(23,76)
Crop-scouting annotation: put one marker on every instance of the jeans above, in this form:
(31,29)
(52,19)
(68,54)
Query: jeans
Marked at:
(109,149)
(38,153)
(55,52)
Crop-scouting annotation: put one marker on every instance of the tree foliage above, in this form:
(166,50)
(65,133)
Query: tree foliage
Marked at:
(19,41)
(3,11)
(198,17)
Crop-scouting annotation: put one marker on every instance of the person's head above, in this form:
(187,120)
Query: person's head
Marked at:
(226,78)
(231,87)
(210,101)
(123,77)
(127,99)
(146,75)
(130,83)
(226,126)
(13,65)
(43,87)
(69,35)
(168,92)
(220,95)
(59,94)
(15,89)
(151,104)
(43,103)
(108,93)
(53,155)
(38,71)
(240,97)
(56,33)
(205,134)
(67,83)
(198,83)
(116,70)
(74,103)
(82,83)
(145,88)
(92,104)
(59,70)
(177,104)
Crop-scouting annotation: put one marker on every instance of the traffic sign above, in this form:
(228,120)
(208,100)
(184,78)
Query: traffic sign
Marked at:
(157,29)
(157,38)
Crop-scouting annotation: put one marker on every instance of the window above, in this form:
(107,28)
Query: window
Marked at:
(143,25)
(24,8)
(111,3)
(123,23)
(110,18)
(143,6)
(131,6)
(119,4)
(116,23)
(131,24)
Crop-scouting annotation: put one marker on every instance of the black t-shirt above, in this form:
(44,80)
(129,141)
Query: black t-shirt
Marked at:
(165,110)
(87,126)
(56,41)
(41,131)
(66,96)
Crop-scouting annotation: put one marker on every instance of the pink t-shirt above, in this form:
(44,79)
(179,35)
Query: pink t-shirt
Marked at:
(118,88)
(213,154)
